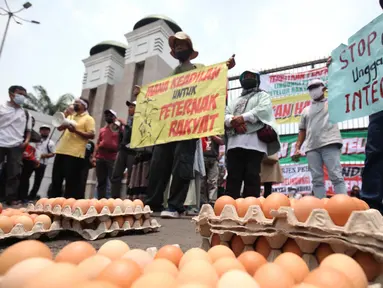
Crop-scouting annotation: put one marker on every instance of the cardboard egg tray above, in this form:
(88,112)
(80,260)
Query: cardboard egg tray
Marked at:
(91,214)
(18,231)
(362,227)
(144,225)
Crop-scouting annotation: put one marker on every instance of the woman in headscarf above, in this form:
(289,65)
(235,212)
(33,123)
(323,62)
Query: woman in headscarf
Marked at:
(251,131)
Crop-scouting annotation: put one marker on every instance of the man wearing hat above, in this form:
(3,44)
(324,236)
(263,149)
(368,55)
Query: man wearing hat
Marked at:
(323,142)
(46,150)
(126,155)
(176,158)
(106,150)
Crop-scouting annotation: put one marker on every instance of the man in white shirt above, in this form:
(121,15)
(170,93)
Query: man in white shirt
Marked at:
(45,149)
(15,133)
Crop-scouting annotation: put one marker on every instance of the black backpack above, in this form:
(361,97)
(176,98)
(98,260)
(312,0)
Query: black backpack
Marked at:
(35,137)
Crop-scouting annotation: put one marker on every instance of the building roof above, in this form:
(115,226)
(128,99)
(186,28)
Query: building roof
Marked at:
(153,18)
(105,45)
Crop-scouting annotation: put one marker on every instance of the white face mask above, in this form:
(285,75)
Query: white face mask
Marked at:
(316,93)
(19,99)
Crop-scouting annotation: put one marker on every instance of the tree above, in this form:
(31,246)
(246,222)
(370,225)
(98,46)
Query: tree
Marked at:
(43,103)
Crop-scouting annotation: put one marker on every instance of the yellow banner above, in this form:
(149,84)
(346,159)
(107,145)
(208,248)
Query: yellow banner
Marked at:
(185,106)
(289,109)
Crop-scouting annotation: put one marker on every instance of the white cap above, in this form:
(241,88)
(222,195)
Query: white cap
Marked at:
(44,126)
(315,82)
(111,112)
(128,103)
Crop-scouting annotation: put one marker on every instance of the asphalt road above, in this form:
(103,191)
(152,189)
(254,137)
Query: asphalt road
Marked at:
(173,231)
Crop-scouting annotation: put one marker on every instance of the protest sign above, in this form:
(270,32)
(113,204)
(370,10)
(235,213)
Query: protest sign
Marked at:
(289,109)
(356,75)
(185,106)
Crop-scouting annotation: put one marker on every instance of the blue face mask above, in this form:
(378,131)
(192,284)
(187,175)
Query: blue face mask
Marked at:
(19,99)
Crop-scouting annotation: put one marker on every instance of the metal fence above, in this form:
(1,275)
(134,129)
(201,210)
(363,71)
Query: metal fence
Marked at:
(234,90)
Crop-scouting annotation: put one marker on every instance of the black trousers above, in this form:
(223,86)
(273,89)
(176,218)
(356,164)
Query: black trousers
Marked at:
(104,171)
(243,165)
(268,186)
(177,159)
(70,169)
(12,171)
(26,173)
(83,181)
(39,176)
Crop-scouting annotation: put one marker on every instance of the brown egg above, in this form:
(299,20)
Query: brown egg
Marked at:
(69,202)
(194,254)
(161,266)
(13,219)
(193,285)
(324,200)
(222,202)
(41,201)
(220,251)
(33,216)
(272,275)
(113,249)
(6,224)
(239,201)
(273,202)
(26,221)
(360,204)
(122,273)
(244,206)
(328,277)
(95,284)
(171,253)
(340,207)
(141,257)
(292,247)
(107,203)
(120,221)
(215,240)
(58,275)
(226,264)
(129,219)
(7,213)
(370,266)
(118,202)
(237,278)
(294,264)
(45,220)
(22,251)
(108,223)
(75,252)
(364,204)
(304,207)
(198,271)
(158,280)
(92,266)
(49,202)
(96,204)
(237,245)
(348,266)
(293,202)
(128,203)
(323,251)
(261,199)
(138,202)
(83,204)
(305,285)
(262,246)
(58,202)
(252,260)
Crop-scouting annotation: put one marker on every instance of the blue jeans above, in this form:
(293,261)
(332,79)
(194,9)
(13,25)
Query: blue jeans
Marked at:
(372,176)
(329,156)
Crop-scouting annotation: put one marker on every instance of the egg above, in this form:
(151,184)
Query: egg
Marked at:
(7,213)
(91,267)
(194,254)
(272,275)
(323,251)
(25,221)
(58,275)
(49,202)
(95,284)
(324,200)
(129,219)
(262,246)
(82,204)
(348,266)
(237,245)
(127,203)
(96,204)
(226,264)
(360,204)
(340,207)
(107,203)
(33,216)
(215,240)
(45,220)
(237,278)
(69,202)
(141,257)
(120,221)
(122,273)
(221,202)
(244,205)
(370,266)
(239,201)
(292,247)
(41,201)
(273,202)
(18,275)
(138,202)
(6,224)
(58,202)
(75,252)
(113,249)
(198,271)
(157,280)
(108,223)
(293,264)
(22,251)
(328,277)
(118,203)
(162,266)
(252,260)
(220,251)
(193,285)
(304,207)
(171,253)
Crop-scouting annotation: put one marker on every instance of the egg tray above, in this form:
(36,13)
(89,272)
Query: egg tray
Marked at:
(307,247)
(148,225)
(91,214)
(360,224)
(18,231)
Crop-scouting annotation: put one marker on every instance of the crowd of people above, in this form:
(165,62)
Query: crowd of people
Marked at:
(168,173)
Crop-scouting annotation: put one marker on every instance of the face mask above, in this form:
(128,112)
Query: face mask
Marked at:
(109,120)
(19,99)
(76,108)
(249,83)
(316,93)
(44,136)
(183,55)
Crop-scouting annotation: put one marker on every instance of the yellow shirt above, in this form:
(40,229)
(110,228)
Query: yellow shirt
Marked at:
(72,144)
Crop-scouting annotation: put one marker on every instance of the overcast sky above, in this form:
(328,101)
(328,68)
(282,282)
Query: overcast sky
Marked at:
(262,33)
